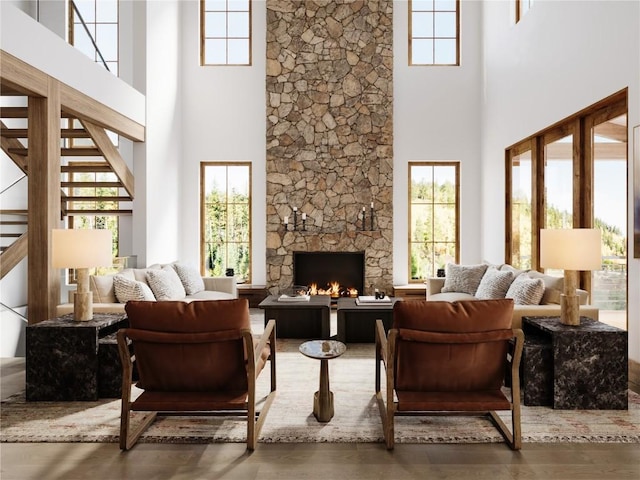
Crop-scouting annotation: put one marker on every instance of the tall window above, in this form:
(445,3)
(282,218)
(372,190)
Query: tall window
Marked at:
(225,199)
(521,207)
(434,32)
(574,175)
(434,192)
(101,21)
(225,32)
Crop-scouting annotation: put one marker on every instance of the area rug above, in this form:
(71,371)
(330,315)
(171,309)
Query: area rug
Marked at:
(291,420)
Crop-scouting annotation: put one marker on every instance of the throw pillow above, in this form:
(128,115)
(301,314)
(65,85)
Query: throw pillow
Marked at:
(190,278)
(166,284)
(494,284)
(463,278)
(526,290)
(553,286)
(127,289)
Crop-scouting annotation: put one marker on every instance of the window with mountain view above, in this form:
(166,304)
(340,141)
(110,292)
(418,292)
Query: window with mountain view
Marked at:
(225,222)
(433,217)
(563,178)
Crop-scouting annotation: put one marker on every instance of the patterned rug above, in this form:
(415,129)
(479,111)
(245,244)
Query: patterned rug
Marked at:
(291,420)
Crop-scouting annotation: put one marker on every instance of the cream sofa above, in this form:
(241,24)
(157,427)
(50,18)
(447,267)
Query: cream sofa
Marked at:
(549,304)
(106,301)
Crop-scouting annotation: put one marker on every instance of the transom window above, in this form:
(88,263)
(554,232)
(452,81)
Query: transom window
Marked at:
(434,192)
(434,37)
(225,223)
(98,37)
(225,32)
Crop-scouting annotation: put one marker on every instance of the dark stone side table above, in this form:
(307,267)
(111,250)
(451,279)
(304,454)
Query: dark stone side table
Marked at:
(64,360)
(299,319)
(585,366)
(357,323)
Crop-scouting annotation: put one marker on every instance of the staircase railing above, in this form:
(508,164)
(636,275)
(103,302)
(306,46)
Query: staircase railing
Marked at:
(86,29)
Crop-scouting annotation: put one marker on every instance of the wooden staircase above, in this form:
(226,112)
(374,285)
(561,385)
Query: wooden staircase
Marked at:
(94,178)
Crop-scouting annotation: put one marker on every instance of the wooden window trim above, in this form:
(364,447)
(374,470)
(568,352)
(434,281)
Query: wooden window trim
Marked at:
(71,28)
(457,209)
(577,125)
(410,40)
(203,166)
(203,38)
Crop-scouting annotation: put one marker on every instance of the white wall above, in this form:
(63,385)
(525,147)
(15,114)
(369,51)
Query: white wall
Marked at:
(436,118)
(226,121)
(560,58)
(158,163)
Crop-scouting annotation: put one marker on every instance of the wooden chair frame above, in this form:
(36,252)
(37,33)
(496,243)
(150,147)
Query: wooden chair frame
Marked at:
(255,420)
(386,355)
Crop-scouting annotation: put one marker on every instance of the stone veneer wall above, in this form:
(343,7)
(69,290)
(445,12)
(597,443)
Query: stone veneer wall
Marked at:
(329,133)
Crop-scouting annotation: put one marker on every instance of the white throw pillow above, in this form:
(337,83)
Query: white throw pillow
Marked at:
(463,278)
(127,289)
(190,278)
(494,284)
(166,284)
(526,290)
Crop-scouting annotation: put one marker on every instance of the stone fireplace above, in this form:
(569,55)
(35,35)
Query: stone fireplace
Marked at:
(329,134)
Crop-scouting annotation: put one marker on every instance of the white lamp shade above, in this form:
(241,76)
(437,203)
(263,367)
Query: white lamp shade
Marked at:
(72,248)
(571,249)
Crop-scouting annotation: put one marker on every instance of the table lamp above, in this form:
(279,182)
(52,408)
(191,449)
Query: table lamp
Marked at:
(570,249)
(81,250)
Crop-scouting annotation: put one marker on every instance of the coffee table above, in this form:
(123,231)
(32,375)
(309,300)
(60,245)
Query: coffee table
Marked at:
(356,323)
(299,319)
(323,350)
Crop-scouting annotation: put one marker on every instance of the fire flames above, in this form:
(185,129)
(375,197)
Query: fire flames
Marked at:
(334,290)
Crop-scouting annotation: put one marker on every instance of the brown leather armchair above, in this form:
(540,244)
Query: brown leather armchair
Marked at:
(194,357)
(450,357)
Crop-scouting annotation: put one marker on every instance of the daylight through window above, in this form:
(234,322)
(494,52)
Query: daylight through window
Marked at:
(225,32)
(434,27)
(433,217)
(226,219)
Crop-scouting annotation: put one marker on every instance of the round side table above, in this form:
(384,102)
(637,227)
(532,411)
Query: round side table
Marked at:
(323,350)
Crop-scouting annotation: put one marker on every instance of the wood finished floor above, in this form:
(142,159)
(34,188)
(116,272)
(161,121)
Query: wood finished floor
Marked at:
(95,461)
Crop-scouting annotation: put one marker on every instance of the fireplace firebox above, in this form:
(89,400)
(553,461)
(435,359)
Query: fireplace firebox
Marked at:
(326,268)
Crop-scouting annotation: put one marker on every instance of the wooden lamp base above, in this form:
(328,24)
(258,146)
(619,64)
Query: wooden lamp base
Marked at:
(569,301)
(83,297)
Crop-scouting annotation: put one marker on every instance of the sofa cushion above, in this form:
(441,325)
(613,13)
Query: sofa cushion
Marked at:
(553,286)
(210,295)
(190,278)
(494,284)
(525,290)
(140,274)
(505,267)
(463,278)
(450,297)
(165,284)
(102,286)
(127,289)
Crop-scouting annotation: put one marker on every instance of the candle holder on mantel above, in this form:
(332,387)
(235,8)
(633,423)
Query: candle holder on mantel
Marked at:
(364,218)
(294,225)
